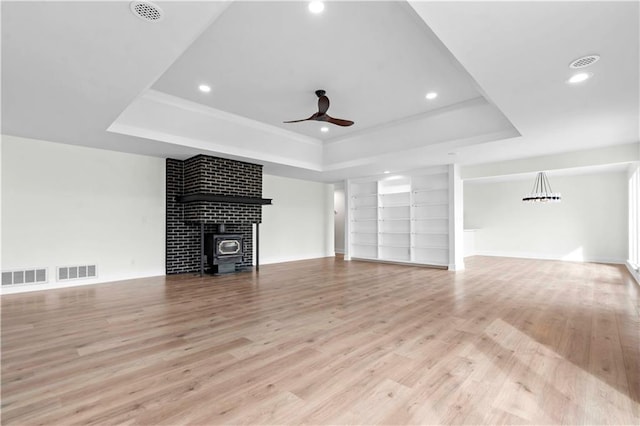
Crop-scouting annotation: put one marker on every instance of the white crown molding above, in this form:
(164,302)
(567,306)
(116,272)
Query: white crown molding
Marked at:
(589,159)
(213,148)
(138,121)
(186,105)
(420,151)
(416,117)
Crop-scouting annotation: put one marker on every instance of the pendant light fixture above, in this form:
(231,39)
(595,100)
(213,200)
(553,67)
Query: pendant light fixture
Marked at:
(542,192)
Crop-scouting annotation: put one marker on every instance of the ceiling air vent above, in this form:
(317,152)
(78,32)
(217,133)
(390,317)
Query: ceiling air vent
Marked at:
(585,61)
(147,11)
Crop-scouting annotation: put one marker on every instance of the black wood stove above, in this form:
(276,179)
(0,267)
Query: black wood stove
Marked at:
(223,251)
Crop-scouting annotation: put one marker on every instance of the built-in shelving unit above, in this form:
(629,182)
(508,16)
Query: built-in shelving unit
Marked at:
(431,218)
(394,203)
(363,213)
(401,218)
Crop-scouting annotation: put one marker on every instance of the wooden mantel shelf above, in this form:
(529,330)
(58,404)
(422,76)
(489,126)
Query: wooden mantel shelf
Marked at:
(234,199)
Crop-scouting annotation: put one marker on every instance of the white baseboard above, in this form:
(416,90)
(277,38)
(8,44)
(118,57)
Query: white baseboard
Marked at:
(545,257)
(635,273)
(24,288)
(281,259)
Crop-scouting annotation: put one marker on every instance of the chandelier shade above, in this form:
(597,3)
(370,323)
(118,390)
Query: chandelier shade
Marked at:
(542,192)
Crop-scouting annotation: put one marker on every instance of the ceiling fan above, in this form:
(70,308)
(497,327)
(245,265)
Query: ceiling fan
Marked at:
(321,115)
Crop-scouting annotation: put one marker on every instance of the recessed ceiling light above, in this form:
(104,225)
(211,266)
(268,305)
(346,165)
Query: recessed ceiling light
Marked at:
(579,78)
(324,129)
(431,95)
(204,88)
(452,153)
(386,172)
(316,7)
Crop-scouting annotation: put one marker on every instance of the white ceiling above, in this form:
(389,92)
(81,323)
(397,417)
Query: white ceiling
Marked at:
(519,54)
(90,73)
(265,60)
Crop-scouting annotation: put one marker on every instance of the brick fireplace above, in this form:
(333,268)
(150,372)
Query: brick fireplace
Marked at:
(204,193)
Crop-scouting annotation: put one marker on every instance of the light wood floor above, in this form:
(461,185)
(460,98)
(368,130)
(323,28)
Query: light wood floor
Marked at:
(507,341)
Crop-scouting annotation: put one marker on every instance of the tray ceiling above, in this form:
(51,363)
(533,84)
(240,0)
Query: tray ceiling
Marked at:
(91,73)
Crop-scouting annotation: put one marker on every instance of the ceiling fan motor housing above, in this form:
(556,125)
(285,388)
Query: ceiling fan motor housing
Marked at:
(321,115)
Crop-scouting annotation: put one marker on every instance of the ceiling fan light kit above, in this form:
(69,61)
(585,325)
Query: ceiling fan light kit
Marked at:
(321,115)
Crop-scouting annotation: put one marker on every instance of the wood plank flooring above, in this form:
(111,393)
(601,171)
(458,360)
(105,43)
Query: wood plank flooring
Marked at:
(507,341)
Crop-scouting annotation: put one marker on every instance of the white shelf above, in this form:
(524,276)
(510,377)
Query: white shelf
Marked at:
(431,247)
(416,191)
(409,226)
(432,173)
(387,194)
(430,204)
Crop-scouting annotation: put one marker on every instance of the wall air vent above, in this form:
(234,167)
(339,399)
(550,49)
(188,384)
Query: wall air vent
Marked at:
(66,273)
(584,62)
(146,11)
(25,276)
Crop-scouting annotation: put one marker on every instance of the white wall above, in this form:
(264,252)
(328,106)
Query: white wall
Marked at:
(65,205)
(339,219)
(617,154)
(299,224)
(456,219)
(633,190)
(590,224)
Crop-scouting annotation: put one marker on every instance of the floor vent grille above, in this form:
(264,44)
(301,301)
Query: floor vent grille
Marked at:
(25,276)
(66,273)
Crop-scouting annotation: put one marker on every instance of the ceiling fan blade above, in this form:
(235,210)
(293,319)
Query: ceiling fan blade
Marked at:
(313,117)
(298,121)
(338,121)
(323,104)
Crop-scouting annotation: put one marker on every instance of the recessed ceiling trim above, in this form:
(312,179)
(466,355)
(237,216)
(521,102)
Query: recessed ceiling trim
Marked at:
(557,172)
(420,156)
(460,105)
(187,105)
(213,148)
